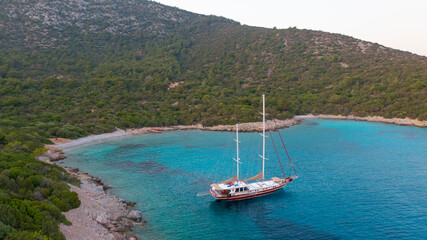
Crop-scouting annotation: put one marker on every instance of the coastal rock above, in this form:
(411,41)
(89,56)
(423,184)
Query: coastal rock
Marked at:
(97,180)
(55,156)
(118,236)
(102,219)
(134,215)
(74,170)
(124,225)
(43,158)
(128,203)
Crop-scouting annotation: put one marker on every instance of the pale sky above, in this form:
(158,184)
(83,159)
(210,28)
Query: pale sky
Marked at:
(399,24)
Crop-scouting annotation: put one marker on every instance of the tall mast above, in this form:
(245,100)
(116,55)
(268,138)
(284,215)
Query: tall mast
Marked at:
(263,136)
(237,159)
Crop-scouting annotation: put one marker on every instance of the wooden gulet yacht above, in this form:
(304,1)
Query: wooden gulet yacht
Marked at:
(238,189)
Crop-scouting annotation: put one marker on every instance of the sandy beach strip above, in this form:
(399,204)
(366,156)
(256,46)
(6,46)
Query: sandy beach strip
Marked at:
(396,121)
(243,127)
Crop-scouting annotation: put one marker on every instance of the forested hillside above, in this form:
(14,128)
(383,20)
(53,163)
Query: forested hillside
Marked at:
(71,68)
(96,65)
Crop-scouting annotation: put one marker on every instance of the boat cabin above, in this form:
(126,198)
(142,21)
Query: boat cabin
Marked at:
(230,188)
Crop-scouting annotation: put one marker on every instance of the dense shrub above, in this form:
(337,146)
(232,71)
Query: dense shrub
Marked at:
(32,193)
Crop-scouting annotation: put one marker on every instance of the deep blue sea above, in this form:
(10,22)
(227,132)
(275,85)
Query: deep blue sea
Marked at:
(357,180)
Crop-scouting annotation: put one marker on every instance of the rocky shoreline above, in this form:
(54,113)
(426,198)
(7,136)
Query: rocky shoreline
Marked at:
(101,215)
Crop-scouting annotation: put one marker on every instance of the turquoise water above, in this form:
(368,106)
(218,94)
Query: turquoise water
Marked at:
(357,180)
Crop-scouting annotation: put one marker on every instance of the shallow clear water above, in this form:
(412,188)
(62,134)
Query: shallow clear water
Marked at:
(357,180)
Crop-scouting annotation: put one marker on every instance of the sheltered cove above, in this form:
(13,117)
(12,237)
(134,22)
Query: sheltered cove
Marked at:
(104,216)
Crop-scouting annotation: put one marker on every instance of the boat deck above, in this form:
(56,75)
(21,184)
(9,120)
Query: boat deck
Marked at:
(242,190)
(250,186)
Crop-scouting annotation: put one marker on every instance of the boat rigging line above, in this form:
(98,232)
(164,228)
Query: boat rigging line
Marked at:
(278,158)
(283,143)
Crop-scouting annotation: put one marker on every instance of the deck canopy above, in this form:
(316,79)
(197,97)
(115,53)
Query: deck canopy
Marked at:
(256,177)
(233,179)
(216,187)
